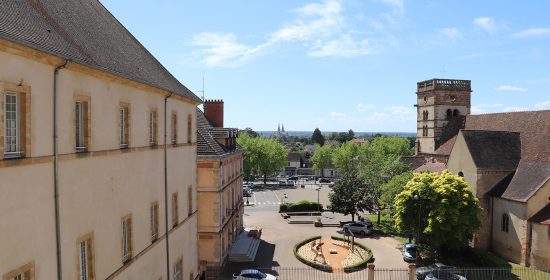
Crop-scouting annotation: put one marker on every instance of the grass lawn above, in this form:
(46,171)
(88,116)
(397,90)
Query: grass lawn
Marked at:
(387,227)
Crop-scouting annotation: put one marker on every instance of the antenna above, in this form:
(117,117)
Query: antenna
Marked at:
(443,71)
(202,91)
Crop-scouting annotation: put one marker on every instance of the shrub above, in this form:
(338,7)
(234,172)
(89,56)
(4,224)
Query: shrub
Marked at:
(485,258)
(300,206)
(361,264)
(323,267)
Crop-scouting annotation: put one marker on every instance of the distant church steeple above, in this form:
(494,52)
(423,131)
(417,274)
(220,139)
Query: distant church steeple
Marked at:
(278,127)
(282,128)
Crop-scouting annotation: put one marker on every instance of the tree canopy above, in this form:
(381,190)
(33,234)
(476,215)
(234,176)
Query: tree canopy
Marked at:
(393,187)
(345,197)
(262,156)
(440,208)
(322,157)
(249,131)
(318,137)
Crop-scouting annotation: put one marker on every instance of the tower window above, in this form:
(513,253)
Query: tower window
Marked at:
(425,99)
(425,115)
(461,174)
(449,114)
(456,112)
(452,97)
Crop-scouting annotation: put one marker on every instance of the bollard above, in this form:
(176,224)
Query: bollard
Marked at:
(412,271)
(370,271)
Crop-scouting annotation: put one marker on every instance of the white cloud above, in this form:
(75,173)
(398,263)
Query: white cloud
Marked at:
(450,33)
(471,56)
(543,105)
(361,107)
(340,117)
(485,108)
(533,32)
(510,88)
(398,5)
(223,49)
(486,23)
(344,46)
(320,27)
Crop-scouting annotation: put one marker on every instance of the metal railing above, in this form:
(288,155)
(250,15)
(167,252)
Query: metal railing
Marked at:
(374,273)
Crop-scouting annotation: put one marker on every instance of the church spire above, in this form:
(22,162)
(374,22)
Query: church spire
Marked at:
(283,128)
(278,127)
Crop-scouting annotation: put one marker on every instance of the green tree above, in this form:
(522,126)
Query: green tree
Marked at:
(347,157)
(249,131)
(262,156)
(393,187)
(345,197)
(297,147)
(440,208)
(380,164)
(318,137)
(321,158)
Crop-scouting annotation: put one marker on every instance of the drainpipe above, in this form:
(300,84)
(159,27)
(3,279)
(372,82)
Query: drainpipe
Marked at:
(166,189)
(55,171)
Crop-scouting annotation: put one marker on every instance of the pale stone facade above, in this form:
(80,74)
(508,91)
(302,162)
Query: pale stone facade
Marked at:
(220,179)
(97,199)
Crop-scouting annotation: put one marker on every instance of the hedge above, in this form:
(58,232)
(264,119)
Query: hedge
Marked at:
(323,267)
(363,263)
(301,206)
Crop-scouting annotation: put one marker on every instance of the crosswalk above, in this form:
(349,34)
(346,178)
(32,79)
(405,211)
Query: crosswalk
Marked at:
(268,203)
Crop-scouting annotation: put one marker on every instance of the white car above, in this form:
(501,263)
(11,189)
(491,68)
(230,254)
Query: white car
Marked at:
(249,274)
(362,228)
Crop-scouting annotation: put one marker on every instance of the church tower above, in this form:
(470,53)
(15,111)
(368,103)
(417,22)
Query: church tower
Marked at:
(438,102)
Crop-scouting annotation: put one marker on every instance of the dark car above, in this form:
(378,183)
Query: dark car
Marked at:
(324,180)
(409,252)
(294,178)
(435,270)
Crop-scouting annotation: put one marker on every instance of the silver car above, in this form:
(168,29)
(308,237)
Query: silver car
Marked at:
(362,228)
(249,274)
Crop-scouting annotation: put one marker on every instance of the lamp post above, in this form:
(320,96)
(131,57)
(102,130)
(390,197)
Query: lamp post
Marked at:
(318,205)
(417,199)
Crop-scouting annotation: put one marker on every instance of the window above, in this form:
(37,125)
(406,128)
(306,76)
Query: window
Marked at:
(175,209)
(126,238)
(174,128)
(154,221)
(461,174)
(15,122)
(81,125)
(11,125)
(124,125)
(504,223)
(425,130)
(189,128)
(177,270)
(456,112)
(153,127)
(425,115)
(189,200)
(25,272)
(85,258)
(449,114)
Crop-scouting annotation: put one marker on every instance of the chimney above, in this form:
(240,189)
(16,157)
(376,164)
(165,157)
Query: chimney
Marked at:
(213,111)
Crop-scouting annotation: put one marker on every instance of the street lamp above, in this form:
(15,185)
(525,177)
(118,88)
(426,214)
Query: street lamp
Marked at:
(318,205)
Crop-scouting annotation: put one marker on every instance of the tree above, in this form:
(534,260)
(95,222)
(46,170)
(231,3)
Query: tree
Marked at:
(345,197)
(347,157)
(317,137)
(262,156)
(381,163)
(393,187)
(249,131)
(440,208)
(321,158)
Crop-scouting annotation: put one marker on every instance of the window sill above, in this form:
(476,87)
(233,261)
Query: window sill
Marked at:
(14,155)
(123,146)
(81,150)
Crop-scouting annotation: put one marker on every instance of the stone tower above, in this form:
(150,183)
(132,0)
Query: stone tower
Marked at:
(438,102)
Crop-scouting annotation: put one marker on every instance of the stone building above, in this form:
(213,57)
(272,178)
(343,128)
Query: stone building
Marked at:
(220,178)
(504,157)
(91,188)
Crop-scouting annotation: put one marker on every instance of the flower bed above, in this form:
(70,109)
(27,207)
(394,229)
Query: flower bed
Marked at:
(304,252)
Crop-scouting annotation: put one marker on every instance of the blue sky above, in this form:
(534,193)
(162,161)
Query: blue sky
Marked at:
(341,64)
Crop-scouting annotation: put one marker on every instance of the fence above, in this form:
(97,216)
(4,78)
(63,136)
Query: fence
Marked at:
(373,273)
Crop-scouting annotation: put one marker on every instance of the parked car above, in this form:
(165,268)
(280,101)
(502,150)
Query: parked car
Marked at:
(324,180)
(249,274)
(289,183)
(293,178)
(249,185)
(409,252)
(444,276)
(362,228)
(436,270)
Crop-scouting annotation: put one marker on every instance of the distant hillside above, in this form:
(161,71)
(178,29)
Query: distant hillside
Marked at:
(357,134)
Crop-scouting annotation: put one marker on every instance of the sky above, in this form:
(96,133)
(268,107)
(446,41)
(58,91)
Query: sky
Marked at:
(345,64)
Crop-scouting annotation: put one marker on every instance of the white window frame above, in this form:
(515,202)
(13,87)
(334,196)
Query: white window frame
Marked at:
(174,128)
(152,128)
(125,241)
(19,277)
(83,260)
(79,126)
(16,151)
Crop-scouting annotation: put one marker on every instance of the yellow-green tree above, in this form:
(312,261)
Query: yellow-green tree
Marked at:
(440,209)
